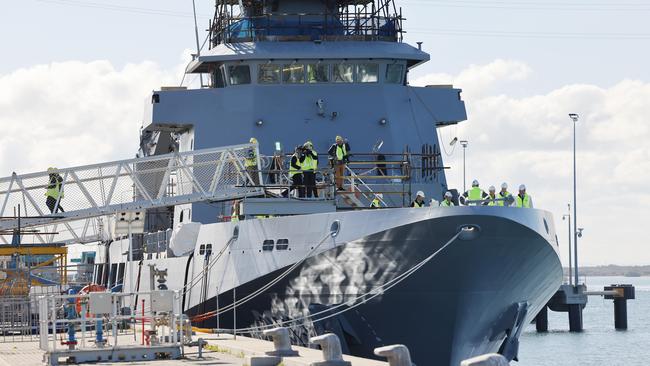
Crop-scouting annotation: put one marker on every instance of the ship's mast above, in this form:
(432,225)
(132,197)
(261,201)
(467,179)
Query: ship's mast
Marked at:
(238,21)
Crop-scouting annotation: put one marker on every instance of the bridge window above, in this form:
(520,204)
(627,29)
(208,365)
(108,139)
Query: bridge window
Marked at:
(268,74)
(394,74)
(282,244)
(318,73)
(293,74)
(267,245)
(343,73)
(218,78)
(239,74)
(367,73)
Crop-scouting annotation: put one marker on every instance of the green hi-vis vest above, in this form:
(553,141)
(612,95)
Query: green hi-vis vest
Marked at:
(310,164)
(54,189)
(293,171)
(475,194)
(375,203)
(251,161)
(503,195)
(446,203)
(341,152)
(525,202)
(492,203)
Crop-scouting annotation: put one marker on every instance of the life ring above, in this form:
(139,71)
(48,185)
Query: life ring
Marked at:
(86,290)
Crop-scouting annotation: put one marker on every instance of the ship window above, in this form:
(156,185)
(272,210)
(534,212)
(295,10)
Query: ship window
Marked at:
(282,244)
(202,249)
(317,73)
(208,249)
(267,245)
(268,74)
(367,73)
(343,73)
(219,81)
(394,74)
(239,74)
(293,74)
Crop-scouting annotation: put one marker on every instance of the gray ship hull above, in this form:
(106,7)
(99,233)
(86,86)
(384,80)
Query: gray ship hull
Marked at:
(464,302)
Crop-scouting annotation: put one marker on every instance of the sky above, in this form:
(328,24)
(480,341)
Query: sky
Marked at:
(74,76)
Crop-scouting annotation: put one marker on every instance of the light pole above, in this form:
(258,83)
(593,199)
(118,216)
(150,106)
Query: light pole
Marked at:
(574,117)
(464,144)
(567,217)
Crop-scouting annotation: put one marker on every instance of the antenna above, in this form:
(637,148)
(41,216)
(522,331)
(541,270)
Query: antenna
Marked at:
(196,35)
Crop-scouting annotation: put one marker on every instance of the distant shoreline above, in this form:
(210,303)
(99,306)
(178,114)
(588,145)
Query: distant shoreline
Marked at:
(613,270)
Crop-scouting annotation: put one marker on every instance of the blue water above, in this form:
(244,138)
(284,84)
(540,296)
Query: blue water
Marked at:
(600,343)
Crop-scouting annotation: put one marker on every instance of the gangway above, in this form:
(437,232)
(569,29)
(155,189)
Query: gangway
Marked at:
(93,192)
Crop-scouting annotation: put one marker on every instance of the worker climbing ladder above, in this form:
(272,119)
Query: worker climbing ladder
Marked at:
(94,193)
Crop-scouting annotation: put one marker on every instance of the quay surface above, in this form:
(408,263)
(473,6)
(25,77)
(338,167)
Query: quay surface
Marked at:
(221,349)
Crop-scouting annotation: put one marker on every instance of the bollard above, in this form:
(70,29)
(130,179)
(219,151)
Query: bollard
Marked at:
(541,320)
(332,354)
(624,293)
(397,355)
(281,342)
(491,359)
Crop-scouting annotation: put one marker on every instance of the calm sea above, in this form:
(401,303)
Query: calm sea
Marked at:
(599,344)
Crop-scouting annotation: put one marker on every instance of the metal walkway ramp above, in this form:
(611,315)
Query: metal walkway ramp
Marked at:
(94,193)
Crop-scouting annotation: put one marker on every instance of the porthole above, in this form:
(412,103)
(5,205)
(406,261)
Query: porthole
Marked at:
(335,228)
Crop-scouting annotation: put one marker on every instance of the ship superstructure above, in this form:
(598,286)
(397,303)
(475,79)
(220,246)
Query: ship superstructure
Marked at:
(449,283)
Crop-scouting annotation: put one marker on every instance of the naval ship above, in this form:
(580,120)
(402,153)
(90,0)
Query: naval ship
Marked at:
(449,283)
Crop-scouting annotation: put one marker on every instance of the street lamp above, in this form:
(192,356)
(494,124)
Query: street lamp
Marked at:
(574,117)
(567,217)
(464,144)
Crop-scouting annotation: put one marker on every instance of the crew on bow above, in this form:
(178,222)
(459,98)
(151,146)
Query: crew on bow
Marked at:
(473,194)
(376,202)
(506,197)
(523,199)
(447,200)
(419,200)
(492,196)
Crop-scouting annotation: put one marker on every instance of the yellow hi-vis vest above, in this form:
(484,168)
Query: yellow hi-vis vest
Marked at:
(446,203)
(418,205)
(251,160)
(492,203)
(341,152)
(475,194)
(310,164)
(375,203)
(525,202)
(54,189)
(293,171)
(505,196)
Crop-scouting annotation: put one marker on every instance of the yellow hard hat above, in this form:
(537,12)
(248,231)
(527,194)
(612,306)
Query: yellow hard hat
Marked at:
(339,138)
(253,140)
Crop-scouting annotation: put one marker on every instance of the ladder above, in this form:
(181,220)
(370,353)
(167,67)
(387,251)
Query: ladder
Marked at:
(93,194)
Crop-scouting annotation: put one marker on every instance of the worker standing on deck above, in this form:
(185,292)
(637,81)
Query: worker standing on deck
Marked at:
(419,200)
(447,201)
(309,168)
(505,195)
(54,191)
(295,171)
(339,157)
(376,202)
(473,194)
(492,195)
(523,199)
(251,164)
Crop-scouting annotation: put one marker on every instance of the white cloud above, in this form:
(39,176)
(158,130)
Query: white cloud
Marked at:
(72,113)
(529,139)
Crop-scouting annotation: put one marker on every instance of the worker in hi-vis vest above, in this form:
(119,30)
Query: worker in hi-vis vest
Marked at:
(295,172)
(419,200)
(251,164)
(54,191)
(447,202)
(309,168)
(339,154)
(505,195)
(473,194)
(523,199)
(492,195)
(376,202)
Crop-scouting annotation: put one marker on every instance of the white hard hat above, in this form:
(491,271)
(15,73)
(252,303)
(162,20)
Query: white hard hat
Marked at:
(420,193)
(522,187)
(253,140)
(492,189)
(475,183)
(448,194)
(379,195)
(504,185)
